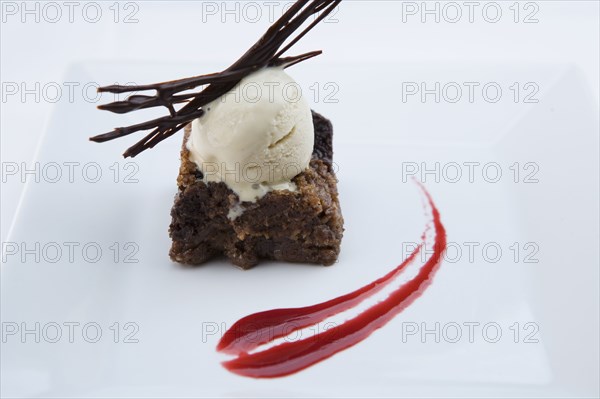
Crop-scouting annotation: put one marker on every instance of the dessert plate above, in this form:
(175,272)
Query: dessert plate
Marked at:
(93,307)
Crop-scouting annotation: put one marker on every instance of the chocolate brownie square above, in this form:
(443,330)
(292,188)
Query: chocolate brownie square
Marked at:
(305,225)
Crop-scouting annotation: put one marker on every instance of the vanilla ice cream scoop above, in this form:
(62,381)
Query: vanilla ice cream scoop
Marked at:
(257,137)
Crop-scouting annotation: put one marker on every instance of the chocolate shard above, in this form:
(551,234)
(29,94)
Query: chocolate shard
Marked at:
(267,51)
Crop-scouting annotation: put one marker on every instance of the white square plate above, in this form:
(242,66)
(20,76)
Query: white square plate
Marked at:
(540,291)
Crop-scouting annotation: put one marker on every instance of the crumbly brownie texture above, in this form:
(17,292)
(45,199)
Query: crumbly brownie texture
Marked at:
(301,226)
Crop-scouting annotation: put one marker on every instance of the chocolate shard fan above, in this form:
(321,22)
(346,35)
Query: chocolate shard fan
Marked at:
(268,51)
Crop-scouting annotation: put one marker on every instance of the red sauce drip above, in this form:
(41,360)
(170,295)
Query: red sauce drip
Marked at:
(290,357)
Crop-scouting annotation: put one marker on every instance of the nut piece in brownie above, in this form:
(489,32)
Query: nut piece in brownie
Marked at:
(305,225)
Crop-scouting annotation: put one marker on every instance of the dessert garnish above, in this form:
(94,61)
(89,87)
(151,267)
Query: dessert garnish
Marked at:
(267,52)
(250,332)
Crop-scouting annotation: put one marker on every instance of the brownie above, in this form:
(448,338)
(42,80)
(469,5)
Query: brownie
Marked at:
(305,225)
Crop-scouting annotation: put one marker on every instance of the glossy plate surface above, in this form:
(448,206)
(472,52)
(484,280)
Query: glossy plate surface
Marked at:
(513,310)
